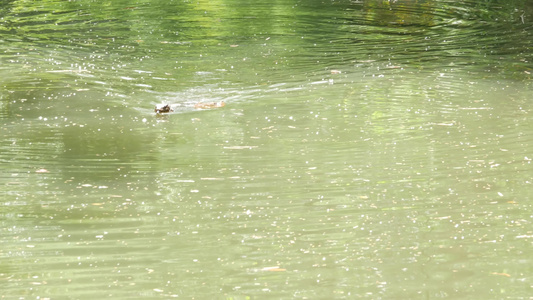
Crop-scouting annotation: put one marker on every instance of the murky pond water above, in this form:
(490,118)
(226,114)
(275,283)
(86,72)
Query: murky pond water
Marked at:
(367,149)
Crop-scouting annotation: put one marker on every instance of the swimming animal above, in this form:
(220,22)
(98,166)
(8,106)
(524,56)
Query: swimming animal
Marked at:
(207,105)
(166,108)
(163,108)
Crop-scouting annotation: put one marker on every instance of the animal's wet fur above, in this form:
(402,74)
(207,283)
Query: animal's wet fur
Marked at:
(163,109)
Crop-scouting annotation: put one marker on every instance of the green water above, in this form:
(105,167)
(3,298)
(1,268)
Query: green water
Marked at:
(367,149)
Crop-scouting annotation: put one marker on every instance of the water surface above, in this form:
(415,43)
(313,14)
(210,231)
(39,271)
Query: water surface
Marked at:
(367,149)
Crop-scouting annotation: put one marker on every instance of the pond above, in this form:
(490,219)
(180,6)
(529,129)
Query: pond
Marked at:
(366,149)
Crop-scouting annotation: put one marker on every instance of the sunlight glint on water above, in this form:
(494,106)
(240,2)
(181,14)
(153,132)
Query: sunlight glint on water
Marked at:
(365,150)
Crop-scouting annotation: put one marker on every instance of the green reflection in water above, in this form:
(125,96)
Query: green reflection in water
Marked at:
(370,149)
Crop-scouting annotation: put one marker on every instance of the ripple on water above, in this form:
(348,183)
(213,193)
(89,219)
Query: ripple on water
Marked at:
(381,143)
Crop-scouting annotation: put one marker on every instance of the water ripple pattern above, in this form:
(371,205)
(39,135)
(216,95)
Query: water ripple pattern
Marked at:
(366,149)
